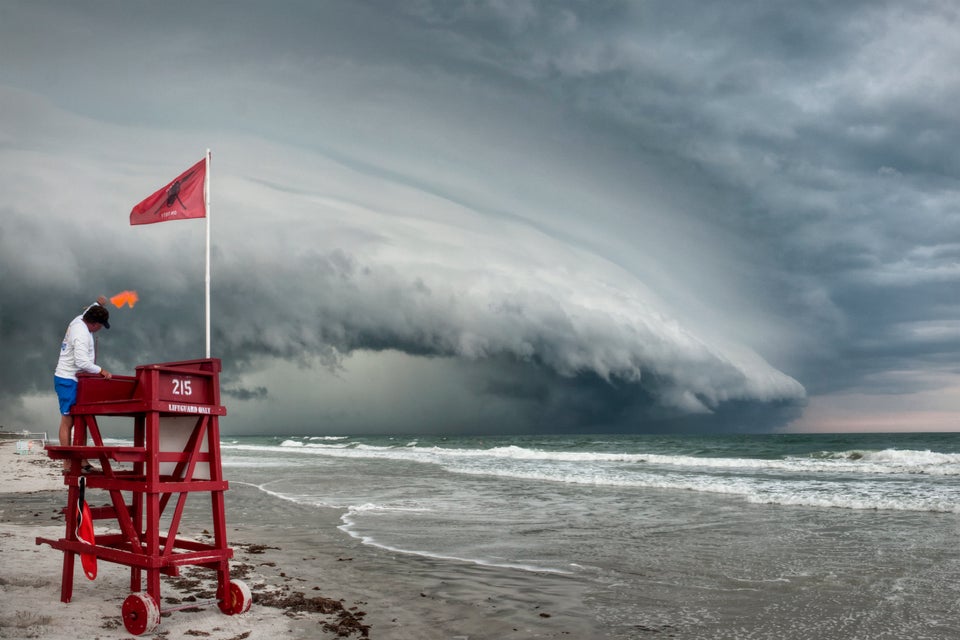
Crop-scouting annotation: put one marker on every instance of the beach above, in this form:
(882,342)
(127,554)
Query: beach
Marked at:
(311,582)
(792,537)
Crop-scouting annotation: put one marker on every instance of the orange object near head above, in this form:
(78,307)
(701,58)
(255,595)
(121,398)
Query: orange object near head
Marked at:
(125,297)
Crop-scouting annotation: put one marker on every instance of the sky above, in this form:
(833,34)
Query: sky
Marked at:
(501,216)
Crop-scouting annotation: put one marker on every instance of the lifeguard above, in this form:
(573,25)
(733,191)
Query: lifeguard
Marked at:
(78,354)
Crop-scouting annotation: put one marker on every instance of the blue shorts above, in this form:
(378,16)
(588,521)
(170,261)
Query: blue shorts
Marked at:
(66,393)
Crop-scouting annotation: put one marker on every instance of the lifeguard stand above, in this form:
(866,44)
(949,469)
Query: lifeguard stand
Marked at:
(175,408)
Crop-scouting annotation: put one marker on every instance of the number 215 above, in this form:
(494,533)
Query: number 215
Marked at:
(181,387)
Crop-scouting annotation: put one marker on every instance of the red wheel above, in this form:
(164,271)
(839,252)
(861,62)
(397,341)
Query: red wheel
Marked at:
(238,599)
(140,613)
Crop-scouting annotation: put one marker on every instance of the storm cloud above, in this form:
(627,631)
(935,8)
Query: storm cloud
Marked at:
(492,216)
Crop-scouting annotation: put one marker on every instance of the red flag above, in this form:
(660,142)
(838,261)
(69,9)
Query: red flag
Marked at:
(180,200)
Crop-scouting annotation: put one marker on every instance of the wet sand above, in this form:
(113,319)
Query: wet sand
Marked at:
(314,582)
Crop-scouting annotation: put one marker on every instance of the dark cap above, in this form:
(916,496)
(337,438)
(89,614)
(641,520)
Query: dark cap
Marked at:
(96,313)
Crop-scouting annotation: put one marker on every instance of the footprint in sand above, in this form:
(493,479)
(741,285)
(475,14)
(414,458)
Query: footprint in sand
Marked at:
(31,582)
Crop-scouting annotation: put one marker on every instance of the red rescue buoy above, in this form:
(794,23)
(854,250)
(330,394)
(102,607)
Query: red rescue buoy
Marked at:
(85,532)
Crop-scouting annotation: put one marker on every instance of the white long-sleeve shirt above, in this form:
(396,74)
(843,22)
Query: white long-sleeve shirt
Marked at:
(77,352)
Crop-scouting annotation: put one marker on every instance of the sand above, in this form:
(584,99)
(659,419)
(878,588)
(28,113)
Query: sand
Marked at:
(305,584)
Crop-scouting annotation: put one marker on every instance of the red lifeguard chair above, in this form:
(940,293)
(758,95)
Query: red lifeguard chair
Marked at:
(175,408)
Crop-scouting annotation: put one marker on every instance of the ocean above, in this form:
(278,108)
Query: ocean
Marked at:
(790,536)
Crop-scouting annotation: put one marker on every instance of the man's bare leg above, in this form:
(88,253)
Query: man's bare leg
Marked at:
(66,422)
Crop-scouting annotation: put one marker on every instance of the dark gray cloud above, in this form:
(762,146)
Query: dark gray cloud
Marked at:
(589,215)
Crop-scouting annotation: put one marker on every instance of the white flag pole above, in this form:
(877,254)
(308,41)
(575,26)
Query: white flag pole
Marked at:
(206,194)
